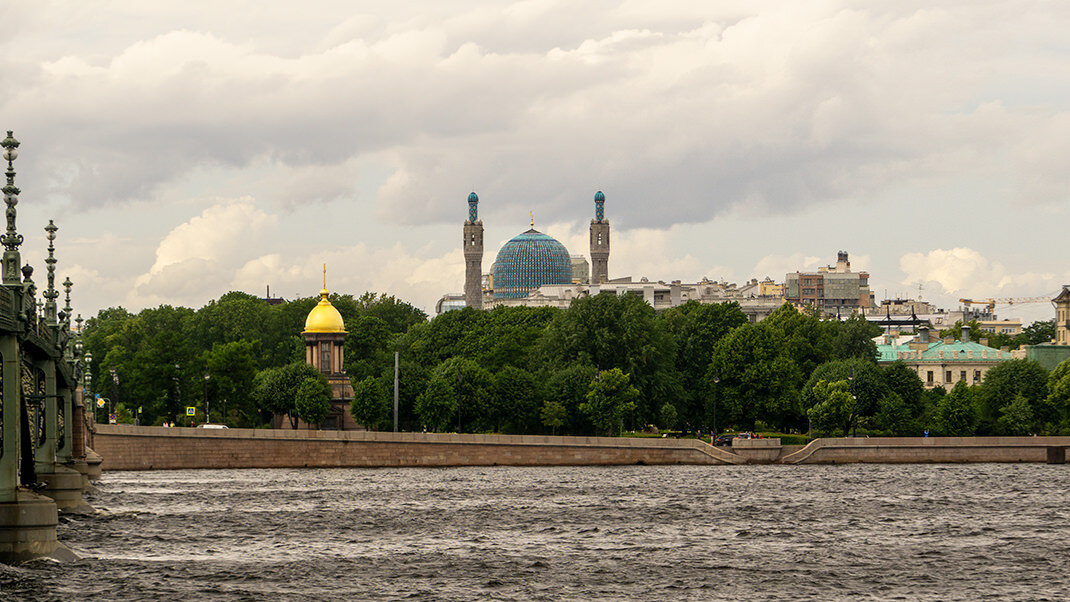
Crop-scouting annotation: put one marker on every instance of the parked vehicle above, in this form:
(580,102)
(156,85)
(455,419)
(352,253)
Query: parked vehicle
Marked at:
(725,439)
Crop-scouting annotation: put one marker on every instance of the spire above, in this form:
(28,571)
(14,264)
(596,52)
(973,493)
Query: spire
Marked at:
(324,276)
(473,207)
(532,213)
(51,293)
(11,239)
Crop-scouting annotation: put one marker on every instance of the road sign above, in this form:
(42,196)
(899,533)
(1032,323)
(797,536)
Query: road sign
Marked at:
(191,411)
(111,418)
(100,403)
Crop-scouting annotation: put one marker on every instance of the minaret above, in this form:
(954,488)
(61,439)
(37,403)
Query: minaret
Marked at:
(473,255)
(599,241)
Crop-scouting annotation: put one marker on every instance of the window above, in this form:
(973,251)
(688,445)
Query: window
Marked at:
(930,379)
(325,357)
(962,375)
(947,377)
(976,376)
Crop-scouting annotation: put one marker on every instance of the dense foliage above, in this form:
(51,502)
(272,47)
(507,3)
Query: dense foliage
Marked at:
(606,364)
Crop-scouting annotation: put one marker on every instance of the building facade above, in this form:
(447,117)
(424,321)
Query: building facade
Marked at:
(831,289)
(942,363)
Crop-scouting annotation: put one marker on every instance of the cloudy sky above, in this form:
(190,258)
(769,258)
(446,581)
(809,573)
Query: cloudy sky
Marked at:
(186,149)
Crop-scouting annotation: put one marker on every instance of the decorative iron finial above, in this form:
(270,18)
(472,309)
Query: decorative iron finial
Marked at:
(78,321)
(67,284)
(324,276)
(11,239)
(51,293)
(532,213)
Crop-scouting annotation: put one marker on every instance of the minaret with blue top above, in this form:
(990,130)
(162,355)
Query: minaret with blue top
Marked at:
(599,241)
(473,255)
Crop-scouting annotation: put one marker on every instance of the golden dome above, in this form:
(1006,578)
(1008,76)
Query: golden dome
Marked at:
(324,317)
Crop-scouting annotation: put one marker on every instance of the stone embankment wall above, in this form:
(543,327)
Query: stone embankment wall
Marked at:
(125,447)
(905,450)
(155,448)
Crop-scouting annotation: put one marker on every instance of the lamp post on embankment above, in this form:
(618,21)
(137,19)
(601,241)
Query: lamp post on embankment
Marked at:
(207,411)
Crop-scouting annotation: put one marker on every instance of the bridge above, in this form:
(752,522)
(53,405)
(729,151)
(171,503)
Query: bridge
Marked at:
(43,456)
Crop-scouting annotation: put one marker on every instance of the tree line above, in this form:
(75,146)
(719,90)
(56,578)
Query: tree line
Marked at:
(607,363)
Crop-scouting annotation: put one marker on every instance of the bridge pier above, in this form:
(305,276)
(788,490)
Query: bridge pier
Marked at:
(28,530)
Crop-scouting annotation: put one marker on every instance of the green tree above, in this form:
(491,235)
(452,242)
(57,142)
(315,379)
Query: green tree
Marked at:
(516,403)
(610,398)
(1059,391)
(894,416)
(1037,333)
(471,385)
(232,368)
(865,381)
(553,415)
(313,401)
(1016,418)
(834,407)
(275,389)
(436,406)
(569,387)
(854,339)
(697,328)
(609,331)
(906,383)
(669,416)
(955,413)
(1004,383)
(371,403)
(759,380)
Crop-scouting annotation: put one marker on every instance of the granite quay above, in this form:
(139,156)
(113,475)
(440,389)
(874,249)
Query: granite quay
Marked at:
(155,448)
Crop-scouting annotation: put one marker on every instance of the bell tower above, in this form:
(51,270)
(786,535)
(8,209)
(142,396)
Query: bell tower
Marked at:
(599,241)
(473,255)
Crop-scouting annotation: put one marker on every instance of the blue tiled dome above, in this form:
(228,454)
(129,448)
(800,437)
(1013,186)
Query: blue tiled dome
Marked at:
(529,261)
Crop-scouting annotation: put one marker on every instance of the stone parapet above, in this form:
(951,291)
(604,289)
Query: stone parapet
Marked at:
(125,447)
(757,451)
(906,450)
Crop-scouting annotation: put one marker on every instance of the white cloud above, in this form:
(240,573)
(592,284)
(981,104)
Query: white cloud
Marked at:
(687,114)
(964,271)
(777,266)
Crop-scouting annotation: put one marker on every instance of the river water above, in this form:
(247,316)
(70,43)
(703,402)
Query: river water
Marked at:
(844,532)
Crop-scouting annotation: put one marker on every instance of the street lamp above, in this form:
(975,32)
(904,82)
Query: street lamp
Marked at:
(715,381)
(207,412)
(114,394)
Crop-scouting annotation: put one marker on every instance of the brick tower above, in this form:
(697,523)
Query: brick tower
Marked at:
(473,255)
(599,241)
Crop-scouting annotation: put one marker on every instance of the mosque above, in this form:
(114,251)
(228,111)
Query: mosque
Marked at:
(536,270)
(529,261)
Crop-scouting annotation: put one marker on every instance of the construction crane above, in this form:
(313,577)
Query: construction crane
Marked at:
(991,302)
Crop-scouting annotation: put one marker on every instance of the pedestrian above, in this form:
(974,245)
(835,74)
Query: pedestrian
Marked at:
(926,432)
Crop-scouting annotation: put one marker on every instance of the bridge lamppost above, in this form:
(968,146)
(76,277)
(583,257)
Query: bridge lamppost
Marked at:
(87,387)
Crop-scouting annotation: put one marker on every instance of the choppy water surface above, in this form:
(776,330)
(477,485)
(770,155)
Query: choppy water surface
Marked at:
(936,532)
